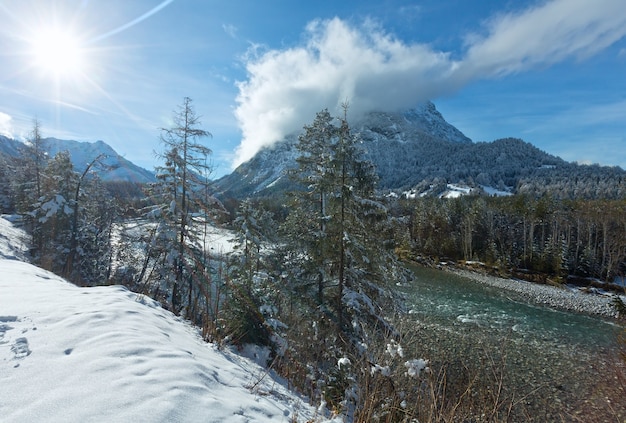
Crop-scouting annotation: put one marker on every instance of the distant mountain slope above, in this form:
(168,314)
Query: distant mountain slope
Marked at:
(9,147)
(418,148)
(263,174)
(116,167)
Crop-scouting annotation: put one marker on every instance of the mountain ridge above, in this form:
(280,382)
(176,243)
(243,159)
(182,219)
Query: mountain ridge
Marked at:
(417,149)
(115,167)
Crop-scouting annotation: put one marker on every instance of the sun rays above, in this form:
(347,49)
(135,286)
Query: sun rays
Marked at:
(58,53)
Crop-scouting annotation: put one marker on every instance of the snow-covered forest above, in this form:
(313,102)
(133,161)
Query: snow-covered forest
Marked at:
(308,276)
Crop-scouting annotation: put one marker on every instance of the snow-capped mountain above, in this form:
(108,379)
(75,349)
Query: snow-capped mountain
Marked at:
(424,120)
(115,167)
(418,150)
(266,171)
(9,146)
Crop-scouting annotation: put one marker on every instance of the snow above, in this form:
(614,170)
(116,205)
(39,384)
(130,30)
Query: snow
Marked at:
(343,362)
(415,367)
(13,242)
(455,191)
(494,192)
(71,354)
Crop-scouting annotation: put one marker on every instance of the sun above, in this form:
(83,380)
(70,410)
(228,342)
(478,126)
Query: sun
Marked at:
(57,52)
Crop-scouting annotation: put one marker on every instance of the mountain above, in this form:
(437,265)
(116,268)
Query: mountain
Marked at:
(9,147)
(115,167)
(266,172)
(417,149)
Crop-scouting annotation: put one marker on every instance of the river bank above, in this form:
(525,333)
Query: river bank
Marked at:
(482,331)
(565,298)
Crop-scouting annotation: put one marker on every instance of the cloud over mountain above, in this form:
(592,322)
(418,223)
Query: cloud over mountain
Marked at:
(5,125)
(372,69)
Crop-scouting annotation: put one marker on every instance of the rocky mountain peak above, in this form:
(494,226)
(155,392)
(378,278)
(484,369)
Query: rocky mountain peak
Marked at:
(410,124)
(385,136)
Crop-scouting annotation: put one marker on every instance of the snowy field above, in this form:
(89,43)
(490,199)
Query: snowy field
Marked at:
(70,354)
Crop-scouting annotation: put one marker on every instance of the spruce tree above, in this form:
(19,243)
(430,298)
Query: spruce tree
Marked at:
(335,222)
(338,262)
(53,213)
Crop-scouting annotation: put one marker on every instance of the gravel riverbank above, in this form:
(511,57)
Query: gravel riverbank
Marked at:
(566,298)
(551,366)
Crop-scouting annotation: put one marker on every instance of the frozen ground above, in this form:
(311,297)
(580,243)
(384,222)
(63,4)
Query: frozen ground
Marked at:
(70,354)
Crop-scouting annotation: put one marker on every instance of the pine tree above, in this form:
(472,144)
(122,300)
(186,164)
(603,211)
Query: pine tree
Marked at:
(250,286)
(76,226)
(53,213)
(308,219)
(181,205)
(29,181)
(97,214)
(337,262)
(335,220)
(7,196)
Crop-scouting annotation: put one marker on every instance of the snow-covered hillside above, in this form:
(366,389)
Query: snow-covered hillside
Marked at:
(13,241)
(71,354)
(115,167)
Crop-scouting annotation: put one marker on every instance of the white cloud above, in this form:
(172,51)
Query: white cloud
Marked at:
(370,69)
(6,126)
(544,35)
(230,30)
(375,70)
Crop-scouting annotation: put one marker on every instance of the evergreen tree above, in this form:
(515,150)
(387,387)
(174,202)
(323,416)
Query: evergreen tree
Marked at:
(338,260)
(308,219)
(7,197)
(76,225)
(29,181)
(53,213)
(93,229)
(251,289)
(335,219)
(73,220)
(181,206)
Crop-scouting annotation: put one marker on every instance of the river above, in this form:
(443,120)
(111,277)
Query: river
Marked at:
(562,364)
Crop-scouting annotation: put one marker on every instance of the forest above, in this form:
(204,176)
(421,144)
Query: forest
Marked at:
(312,273)
(550,238)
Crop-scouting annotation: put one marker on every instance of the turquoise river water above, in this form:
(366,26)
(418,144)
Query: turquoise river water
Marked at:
(562,363)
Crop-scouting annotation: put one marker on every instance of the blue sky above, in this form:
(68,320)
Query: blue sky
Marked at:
(549,72)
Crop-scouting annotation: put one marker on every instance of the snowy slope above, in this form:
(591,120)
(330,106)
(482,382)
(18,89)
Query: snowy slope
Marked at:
(13,241)
(117,168)
(70,354)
